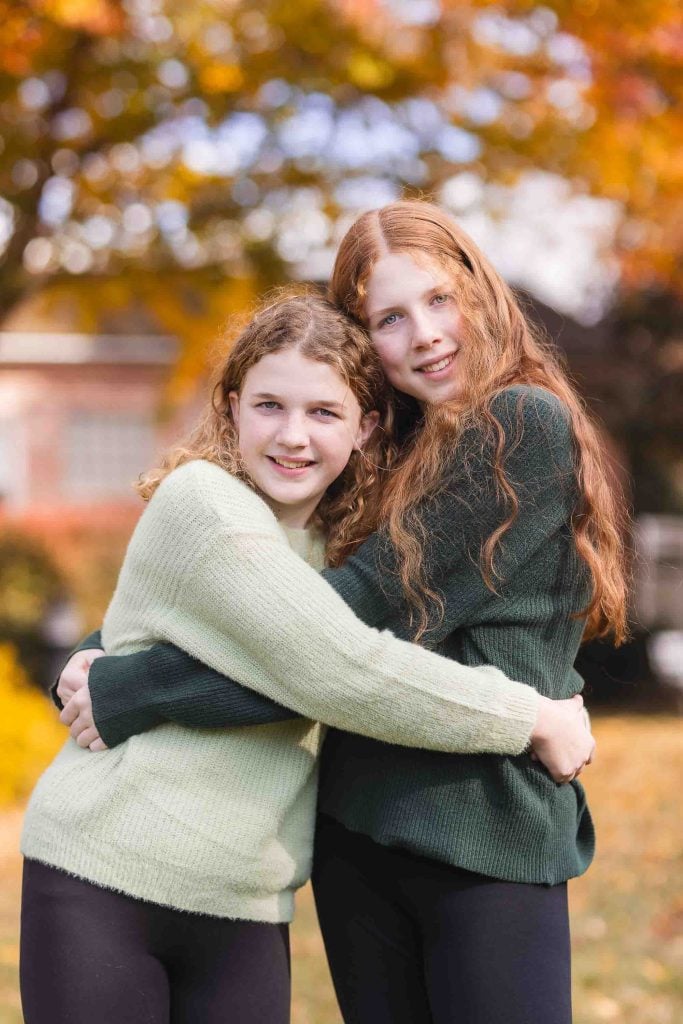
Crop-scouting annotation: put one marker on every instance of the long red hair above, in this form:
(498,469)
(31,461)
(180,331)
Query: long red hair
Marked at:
(502,350)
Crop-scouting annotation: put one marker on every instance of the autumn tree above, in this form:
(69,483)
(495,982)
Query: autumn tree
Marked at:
(184,156)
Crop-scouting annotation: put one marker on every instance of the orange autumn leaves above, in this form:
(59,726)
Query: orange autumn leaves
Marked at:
(590,90)
(26,25)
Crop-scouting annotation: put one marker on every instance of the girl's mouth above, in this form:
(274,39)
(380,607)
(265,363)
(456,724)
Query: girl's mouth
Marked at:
(290,467)
(439,366)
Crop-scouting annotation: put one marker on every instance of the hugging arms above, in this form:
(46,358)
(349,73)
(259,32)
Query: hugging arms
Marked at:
(133,693)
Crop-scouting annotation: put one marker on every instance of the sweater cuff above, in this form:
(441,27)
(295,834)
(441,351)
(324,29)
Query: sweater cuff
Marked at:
(121,700)
(518,715)
(528,707)
(92,642)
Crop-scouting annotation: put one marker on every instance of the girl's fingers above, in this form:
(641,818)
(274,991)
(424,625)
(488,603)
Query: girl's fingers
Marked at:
(69,713)
(83,724)
(86,737)
(98,745)
(77,727)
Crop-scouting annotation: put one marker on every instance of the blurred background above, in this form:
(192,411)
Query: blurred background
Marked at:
(164,163)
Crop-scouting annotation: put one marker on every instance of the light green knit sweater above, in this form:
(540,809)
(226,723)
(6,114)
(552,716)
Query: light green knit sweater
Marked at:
(221,821)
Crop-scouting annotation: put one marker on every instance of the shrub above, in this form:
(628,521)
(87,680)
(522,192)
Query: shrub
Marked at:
(30,585)
(30,731)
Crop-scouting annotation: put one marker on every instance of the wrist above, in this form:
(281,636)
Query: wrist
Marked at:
(121,707)
(543,723)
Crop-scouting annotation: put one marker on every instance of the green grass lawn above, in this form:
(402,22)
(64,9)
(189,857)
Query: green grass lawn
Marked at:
(627,911)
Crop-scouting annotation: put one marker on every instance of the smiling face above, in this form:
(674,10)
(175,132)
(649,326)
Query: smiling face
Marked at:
(297,423)
(415,326)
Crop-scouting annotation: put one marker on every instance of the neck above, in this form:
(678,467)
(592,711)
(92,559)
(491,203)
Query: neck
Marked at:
(293,517)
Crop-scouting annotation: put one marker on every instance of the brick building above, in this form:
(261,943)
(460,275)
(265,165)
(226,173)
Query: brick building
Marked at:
(78,421)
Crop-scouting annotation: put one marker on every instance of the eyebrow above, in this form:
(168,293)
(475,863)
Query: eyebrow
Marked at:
(268,397)
(442,287)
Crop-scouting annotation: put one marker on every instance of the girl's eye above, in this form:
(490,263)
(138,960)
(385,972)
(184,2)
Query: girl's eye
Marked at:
(388,321)
(326,413)
(438,300)
(268,405)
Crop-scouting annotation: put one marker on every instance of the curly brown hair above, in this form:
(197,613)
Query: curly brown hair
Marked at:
(305,320)
(504,350)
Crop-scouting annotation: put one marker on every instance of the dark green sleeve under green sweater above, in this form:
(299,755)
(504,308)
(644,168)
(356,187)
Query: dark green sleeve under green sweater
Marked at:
(501,816)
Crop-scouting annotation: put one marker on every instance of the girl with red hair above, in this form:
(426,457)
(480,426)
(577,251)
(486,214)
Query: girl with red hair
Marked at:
(440,879)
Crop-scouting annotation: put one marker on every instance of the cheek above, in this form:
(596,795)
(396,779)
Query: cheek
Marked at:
(452,322)
(335,449)
(392,355)
(253,433)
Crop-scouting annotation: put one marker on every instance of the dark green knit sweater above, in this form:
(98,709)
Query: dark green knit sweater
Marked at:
(502,816)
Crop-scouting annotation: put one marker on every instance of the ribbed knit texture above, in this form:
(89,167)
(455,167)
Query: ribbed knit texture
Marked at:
(221,822)
(503,816)
(132,693)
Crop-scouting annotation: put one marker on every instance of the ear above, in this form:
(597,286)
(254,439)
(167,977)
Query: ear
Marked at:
(234,399)
(367,425)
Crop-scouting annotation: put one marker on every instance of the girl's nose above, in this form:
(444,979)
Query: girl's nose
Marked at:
(293,432)
(425,332)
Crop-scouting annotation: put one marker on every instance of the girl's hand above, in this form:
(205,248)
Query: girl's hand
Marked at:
(75,673)
(77,714)
(562,739)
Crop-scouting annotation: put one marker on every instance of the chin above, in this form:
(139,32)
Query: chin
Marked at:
(446,391)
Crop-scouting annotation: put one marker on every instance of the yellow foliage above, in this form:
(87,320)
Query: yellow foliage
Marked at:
(217,78)
(30,732)
(368,72)
(96,16)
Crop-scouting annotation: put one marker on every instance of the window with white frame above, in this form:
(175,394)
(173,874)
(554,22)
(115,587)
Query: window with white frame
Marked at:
(106,452)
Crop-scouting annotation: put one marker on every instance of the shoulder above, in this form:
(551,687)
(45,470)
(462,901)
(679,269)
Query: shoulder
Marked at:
(532,402)
(532,415)
(201,490)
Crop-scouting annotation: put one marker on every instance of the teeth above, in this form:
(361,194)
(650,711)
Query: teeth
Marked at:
(441,365)
(291,465)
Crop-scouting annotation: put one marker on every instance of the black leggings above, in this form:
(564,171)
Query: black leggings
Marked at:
(413,941)
(89,954)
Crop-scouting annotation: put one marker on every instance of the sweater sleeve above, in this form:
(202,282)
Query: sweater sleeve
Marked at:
(179,688)
(245,604)
(134,692)
(538,461)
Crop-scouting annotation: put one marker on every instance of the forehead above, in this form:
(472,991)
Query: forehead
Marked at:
(399,275)
(290,374)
